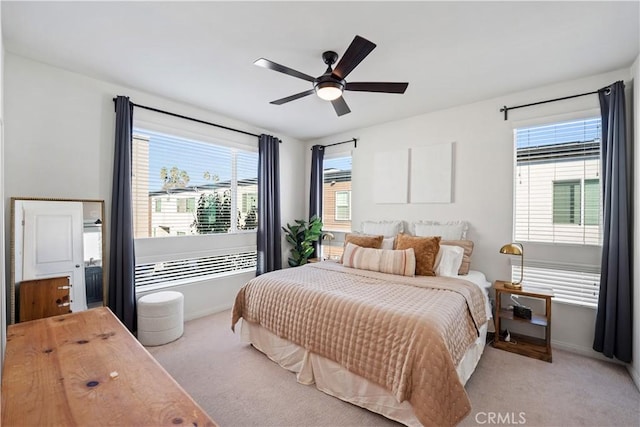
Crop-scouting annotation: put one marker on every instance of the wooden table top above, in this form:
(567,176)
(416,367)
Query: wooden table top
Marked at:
(84,369)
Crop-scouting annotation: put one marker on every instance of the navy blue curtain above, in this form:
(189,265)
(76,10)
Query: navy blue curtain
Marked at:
(613,320)
(122,296)
(269,225)
(315,190)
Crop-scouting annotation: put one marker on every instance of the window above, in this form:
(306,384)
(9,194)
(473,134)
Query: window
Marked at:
(566,202)
(336,203)
(569,198)
(336,193)
(195,187)
(186,205)
(557,183)
(557,201)
(181,188)
(343,206)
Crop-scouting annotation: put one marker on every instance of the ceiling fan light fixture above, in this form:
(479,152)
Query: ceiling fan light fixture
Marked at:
(329,90)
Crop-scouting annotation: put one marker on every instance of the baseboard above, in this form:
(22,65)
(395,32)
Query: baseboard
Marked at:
(584,351)
(635,375)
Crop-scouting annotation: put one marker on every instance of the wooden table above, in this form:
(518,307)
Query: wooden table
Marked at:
(522,344)
(84,369)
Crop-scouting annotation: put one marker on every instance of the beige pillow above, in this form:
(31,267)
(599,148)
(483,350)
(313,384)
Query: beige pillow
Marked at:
(382,260)
(425,248)
(467,245)
(363,240)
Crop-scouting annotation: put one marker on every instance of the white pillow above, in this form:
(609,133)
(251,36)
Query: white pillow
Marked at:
(452,230)
(388,243)
(448,260)
(386,228)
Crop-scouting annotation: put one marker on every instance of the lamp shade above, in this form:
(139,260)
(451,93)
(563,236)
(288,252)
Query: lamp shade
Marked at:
(511,249)
(329,90)
(518,250)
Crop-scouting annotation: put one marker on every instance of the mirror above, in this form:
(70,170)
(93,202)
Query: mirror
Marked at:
(56,238)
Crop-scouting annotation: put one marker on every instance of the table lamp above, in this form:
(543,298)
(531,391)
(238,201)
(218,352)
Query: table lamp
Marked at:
(329,237)
(514,249)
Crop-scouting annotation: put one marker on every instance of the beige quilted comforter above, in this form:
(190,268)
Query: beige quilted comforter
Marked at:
(406,334)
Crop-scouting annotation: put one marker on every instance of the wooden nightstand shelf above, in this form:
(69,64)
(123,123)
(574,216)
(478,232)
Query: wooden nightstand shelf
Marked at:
(538,348)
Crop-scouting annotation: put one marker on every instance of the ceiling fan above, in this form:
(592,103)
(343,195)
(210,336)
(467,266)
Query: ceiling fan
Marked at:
(330,85)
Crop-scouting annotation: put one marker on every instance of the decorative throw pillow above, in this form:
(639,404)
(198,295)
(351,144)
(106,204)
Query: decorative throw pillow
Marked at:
(449,260)
(425,248)
(363,240)
(467,245)
(382,260)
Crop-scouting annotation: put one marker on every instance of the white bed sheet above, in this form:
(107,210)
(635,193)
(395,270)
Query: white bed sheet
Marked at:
(335,380)
(480,279)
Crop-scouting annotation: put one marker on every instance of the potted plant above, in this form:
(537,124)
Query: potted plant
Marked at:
(302,236)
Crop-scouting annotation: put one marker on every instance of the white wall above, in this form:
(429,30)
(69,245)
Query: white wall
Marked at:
(483,180)
(59,140)
(634,368)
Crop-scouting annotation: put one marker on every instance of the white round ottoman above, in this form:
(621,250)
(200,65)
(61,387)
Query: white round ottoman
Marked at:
(160,317)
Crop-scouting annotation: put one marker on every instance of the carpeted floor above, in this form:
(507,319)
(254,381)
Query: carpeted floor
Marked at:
(239,386)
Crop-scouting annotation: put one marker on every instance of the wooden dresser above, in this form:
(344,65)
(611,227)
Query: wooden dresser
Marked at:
(86,369)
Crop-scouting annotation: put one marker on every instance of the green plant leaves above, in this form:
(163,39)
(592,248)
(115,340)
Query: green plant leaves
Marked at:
(301,237)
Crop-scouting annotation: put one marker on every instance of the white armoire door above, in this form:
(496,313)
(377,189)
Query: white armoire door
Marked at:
(53,245)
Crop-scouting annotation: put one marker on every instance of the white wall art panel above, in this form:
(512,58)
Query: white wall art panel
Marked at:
(432,174)
(391,176)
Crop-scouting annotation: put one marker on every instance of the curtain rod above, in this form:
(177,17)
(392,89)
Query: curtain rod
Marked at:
(192,119)
(354,140)
(506,109)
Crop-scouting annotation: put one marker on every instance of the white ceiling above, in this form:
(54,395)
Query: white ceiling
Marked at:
(202,53)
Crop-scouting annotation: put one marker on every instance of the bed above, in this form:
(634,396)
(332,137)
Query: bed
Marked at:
(397,345)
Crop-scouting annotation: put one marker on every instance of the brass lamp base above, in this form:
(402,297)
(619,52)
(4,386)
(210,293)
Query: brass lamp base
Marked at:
(512,285)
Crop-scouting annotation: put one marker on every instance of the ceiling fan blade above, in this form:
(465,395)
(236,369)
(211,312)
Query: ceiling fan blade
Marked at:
(293,97)
(341,107)
(355,53)
(386,87)
(265,63)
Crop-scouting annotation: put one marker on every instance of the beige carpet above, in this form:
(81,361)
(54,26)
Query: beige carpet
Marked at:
(238,386)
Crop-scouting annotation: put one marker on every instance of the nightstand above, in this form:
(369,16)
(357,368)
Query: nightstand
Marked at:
(519,343)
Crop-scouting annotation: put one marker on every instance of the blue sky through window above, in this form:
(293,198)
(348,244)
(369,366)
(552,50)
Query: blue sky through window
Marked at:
(340,163)
(559,133)
(196,158)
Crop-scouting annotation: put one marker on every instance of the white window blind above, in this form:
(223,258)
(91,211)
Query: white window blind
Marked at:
(187,187)
(188,270)
(557,183)
(570,283)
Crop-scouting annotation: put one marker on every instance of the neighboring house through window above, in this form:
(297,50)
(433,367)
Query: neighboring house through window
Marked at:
(557,202)
(336,203)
